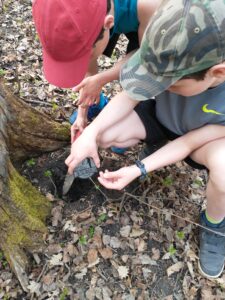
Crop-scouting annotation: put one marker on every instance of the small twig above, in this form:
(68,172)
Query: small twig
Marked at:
(2,2)
(100,273)
(39,277)
(37,102)
(97,188)
(122,203)
(42,272)
(55,188)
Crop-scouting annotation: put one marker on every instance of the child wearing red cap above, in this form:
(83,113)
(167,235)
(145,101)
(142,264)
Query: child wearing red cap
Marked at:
(74,33)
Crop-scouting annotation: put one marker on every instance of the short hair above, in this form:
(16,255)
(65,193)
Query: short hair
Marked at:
(101,34)
(200,75)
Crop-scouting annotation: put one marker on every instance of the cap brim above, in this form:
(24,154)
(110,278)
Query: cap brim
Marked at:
(65,74)
(139,83)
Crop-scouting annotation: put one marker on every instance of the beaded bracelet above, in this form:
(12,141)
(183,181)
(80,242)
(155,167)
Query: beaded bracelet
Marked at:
(141,166)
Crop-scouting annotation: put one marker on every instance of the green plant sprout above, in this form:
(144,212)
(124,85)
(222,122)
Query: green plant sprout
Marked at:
(172,250)
(168,181)
(31,162)
(54,106)
(48,173)
(180,235)
(2,72)
(91,231)
(64,294)
(102,218)
(83,240)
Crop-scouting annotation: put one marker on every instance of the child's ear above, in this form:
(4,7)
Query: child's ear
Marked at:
(108,22)
(218,71)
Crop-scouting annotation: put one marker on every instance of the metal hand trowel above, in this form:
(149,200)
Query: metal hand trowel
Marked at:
(84,170)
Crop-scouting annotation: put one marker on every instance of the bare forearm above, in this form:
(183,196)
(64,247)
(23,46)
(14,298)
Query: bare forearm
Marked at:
(114,72)
(82,111)
(117,109)
(183,146)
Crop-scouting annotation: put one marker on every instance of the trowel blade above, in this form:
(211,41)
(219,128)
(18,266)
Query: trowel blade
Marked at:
(69,179)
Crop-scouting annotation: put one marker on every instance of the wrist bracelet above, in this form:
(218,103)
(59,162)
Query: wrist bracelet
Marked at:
(141,166)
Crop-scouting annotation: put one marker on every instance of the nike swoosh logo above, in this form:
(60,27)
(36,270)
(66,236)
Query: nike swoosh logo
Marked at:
(210,111)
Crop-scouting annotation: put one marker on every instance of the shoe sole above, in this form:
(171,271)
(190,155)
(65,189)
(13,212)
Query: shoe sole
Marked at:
(209,276)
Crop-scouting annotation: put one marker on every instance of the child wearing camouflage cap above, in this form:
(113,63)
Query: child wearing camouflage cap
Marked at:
(181,62)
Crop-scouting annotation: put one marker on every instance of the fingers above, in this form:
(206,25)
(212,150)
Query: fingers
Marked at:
(78,87)
(86,100)
(112,182)
(96,160)
(73,134)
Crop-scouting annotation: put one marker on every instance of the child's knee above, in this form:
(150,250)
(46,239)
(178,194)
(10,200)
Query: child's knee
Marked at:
(216,166)
(216,160)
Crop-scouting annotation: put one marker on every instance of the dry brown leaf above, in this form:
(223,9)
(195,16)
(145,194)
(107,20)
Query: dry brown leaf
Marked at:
(66,257)
(50,197)
(125,231)
(92,256)
(56,260)
(144,260)
(71,250)
(191,255)
(136,232)
(156,254)
(140,244)
(54,248)
(192,293)
(97,241)
(34,287)
(106,253)
(206,293)
(56,215)
(175,268)
(115,242)
(48,279)
(170,297)
(123,271)
(83,216)
(191,269)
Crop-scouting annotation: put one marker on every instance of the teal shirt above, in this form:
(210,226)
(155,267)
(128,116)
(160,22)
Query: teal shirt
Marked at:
(126,16)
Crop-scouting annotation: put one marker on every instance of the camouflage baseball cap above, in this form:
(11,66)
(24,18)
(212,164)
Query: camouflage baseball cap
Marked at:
(183,37)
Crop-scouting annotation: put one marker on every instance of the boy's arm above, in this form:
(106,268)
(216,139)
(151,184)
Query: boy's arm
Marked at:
(90,88)
(183,146)
(80,122)
(86,145)
(172,152)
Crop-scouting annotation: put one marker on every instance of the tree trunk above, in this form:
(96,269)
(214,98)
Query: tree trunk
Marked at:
(24,132)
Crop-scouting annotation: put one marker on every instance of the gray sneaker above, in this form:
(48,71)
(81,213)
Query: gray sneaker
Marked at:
(212,250)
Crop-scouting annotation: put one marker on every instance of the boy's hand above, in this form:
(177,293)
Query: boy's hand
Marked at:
(83,147)
(78,126)
(117,180)
(90,89)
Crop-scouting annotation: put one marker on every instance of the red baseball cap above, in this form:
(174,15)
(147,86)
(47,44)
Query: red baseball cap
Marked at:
(67,30)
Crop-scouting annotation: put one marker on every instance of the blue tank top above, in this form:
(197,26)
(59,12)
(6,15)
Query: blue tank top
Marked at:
(126,18)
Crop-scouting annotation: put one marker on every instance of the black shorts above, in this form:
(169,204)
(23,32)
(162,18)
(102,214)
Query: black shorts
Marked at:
(155,131)
(133,43)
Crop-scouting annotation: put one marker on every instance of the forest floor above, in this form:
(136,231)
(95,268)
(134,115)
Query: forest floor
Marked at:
(140,243)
